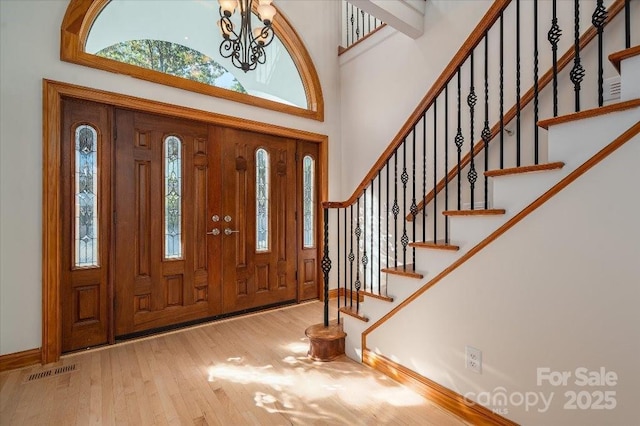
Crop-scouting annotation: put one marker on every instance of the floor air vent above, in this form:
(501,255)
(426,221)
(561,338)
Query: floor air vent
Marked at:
(50,373)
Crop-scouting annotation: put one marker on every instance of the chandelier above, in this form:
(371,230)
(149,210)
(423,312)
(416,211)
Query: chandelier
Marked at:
(243,45)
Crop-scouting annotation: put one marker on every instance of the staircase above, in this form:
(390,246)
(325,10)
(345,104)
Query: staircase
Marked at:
(451,184)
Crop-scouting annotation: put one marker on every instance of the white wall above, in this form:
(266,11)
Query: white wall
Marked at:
(29,49)
(559,290)
(381,86)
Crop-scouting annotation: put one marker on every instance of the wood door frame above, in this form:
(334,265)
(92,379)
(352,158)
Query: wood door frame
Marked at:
(53,92)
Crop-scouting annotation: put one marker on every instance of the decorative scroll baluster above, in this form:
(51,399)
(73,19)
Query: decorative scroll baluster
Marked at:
(365,258)
(371,237)
(536,137)
(486,131)
(358,233)
(357,26)
(352,258)
(554,37)
(404,177)
(352,20)
(577,72)
(459,140)
(518,75)
(501,90)
(344,238)
(424,175)
(395,209)
(414,206)
(598,19)
(326,266)
(362,15)
(472,175)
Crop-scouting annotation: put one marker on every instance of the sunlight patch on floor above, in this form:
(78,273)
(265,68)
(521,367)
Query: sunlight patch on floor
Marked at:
(300,381)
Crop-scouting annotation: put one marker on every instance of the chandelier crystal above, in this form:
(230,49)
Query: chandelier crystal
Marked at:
(244,45)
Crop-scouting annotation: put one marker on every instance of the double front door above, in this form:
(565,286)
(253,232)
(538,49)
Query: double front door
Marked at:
(171,221)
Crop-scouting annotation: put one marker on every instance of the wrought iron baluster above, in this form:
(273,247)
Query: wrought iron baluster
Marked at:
(627,24)
(577,72)
(362,14)
(338,263)
(536,129)
(554,37)
(472,175)
(598,19)
(326,267)
(352,258)
(395,209)
(501,90)
(358,233)
(386,213)
(518,75)
(365,258)
(404,177)
(486,131)
(446,162)
(357,24)
(371,237)
(414,206)
(435,171)
(379,228)
(346,258)
(352,20)
(424,175)
(459,140)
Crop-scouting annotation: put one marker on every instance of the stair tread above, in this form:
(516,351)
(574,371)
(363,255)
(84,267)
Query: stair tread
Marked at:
(477,212)
(352,312)
(524,169)
(616,57)
(377,296)
(620,106)
(438,245)
(406,271)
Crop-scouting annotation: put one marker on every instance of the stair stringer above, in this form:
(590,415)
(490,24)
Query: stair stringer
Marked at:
(583,138)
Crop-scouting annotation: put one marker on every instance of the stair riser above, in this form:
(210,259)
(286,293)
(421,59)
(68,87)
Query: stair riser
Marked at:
(515,192)
(630,70)
(577,141)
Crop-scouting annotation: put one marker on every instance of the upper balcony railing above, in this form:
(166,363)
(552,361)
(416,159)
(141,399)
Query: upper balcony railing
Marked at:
(356,24)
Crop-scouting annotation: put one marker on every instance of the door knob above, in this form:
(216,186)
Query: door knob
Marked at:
(227,218)
(215,218)
(214,231)
(228,231)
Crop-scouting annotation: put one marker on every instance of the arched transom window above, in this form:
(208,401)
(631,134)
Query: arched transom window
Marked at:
(176,42)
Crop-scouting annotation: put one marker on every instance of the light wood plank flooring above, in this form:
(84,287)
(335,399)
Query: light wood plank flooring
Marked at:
(249,370)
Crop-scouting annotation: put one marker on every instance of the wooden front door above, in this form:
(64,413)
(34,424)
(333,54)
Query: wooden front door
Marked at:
(169,221)
(258,219)
(162,274)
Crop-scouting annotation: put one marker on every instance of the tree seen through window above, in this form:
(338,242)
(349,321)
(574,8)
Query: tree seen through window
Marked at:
(173,59)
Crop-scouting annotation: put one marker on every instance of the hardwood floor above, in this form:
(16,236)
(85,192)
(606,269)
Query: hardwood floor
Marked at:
(250,370)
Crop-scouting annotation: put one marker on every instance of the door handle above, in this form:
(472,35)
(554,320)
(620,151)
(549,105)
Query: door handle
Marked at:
(214,231)
(228,231)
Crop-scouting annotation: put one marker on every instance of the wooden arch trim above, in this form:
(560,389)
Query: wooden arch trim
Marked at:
(81,14)
(53,93)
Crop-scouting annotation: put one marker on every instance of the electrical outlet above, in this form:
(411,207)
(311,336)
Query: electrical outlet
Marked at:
(473,359)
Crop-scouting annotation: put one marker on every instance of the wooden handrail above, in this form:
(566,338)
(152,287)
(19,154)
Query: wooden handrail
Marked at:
(449,72)
(564,60)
